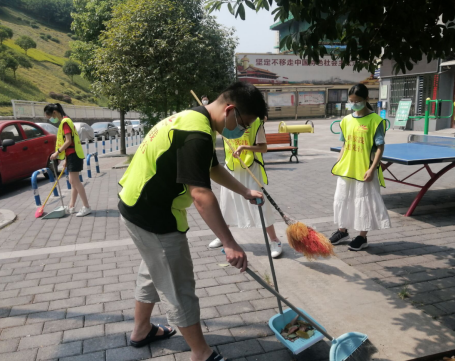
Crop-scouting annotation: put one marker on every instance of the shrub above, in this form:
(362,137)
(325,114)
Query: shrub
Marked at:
(44,37)
(19,18)
(34,26)
(53,95)
(62,83)
(70,93)
(78,91)
(78,97)
(67,54)
(67,99)
(49,36)
(55,40)
(74,37)
(70,34)
(59,96)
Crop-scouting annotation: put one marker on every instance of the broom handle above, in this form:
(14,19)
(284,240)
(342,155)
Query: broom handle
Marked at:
(58,184)
(269,253)
(287,303)
(248,169)
(55,184)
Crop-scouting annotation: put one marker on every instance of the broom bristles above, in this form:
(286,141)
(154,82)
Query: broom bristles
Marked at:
(308,241)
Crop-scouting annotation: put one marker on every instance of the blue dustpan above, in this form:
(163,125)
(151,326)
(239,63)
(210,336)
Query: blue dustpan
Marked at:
(279,321)
(342,347)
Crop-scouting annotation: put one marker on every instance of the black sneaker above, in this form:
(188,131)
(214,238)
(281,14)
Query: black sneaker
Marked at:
(338,237)
(215,357)
(358,243)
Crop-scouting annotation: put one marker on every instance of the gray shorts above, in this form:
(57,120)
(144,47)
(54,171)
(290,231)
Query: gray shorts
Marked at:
(166,274)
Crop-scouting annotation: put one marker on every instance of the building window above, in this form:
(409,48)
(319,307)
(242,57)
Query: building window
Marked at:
(402,88)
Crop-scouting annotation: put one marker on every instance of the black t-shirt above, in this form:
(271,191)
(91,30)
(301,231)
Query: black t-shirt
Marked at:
(188,162)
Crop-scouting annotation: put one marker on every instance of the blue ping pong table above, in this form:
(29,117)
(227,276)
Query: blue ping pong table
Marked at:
(419,150)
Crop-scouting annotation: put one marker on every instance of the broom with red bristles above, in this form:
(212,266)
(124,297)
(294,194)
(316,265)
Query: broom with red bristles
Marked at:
(302,238)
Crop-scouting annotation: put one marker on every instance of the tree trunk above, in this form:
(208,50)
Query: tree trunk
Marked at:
(122,132)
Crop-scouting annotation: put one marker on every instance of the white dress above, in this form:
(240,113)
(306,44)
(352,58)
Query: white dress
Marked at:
(359,205)
(236,210)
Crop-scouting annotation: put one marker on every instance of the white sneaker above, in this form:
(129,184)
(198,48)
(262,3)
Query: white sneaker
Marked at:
(276,249)
(215,243)
(84,211)
(69,210)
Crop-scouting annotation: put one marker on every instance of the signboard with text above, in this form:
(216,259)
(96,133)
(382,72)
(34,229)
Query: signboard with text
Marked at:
(290,69)
(402,115)
(312,98)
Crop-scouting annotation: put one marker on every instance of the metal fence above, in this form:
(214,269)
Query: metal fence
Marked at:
(27,109)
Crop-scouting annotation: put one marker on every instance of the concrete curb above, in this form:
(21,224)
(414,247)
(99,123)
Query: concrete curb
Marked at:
(6,217)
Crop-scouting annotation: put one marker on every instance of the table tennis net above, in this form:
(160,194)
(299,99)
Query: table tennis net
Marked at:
(448,142)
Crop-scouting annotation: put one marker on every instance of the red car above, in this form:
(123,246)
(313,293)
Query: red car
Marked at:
(24,148)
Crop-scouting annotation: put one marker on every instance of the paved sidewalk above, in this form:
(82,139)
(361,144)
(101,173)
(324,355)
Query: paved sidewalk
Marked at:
(77,305)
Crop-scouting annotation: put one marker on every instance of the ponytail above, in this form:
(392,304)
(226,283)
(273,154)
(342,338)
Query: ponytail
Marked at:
(370,107)
(50,108)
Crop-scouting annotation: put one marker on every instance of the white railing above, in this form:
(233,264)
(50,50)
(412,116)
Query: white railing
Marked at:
(28,109)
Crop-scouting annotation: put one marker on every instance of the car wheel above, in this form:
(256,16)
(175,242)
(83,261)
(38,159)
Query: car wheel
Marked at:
(106,136)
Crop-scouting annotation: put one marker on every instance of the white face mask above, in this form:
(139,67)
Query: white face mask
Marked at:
(205,102)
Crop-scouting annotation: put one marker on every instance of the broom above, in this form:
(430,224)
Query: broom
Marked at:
(39,212)
(302,238)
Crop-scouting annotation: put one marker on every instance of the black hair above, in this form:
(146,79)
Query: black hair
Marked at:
(204,96)
(247,98)
(50,108)
(361,91)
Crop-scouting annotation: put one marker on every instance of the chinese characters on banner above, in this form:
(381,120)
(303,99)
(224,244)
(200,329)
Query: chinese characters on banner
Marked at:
(297,62)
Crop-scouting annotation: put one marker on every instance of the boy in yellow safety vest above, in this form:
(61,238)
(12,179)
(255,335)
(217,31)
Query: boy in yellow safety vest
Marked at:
(171,169)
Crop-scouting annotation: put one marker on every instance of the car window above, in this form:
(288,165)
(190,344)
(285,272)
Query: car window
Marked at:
(32,131)
(11,132)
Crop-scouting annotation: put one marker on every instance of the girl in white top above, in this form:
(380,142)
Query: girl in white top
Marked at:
(237,211)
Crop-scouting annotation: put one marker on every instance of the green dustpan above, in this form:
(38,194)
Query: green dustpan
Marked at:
(56,213)
(60,211)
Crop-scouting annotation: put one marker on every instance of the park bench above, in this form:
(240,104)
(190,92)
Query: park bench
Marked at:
(281,138)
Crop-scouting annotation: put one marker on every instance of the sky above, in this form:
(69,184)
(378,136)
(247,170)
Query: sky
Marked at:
(254,32)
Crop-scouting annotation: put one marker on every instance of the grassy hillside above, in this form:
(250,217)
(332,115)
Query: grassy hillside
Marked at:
(48,58)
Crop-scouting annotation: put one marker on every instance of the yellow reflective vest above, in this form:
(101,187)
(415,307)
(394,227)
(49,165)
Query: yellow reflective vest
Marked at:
(358,142)
(248,157)
(60,140)
(143,167)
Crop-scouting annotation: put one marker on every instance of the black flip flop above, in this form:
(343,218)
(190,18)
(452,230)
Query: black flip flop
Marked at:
(151,337)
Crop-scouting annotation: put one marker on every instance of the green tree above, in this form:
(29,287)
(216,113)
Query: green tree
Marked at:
(151,49)
(71,68)
(23,61)
(89,20)
(10,62)
(13,60)
(151,53)
(5,33)
(25,43)
(404,31)
(52,11)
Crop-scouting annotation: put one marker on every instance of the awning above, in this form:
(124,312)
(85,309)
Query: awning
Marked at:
(447,63)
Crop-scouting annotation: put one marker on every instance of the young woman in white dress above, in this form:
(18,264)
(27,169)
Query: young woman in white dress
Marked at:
(358,203)
(237,211)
